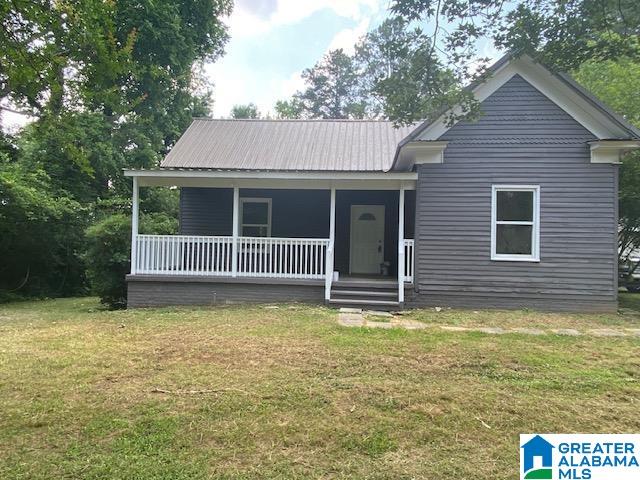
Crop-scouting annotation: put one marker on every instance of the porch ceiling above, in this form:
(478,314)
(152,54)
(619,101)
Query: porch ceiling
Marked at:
(274,179)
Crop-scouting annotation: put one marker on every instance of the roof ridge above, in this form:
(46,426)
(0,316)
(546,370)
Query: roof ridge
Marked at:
(310,120)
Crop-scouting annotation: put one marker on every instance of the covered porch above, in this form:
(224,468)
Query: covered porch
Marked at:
(282,228)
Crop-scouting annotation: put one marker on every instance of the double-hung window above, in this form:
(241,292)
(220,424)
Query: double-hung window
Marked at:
(515,223)
(255,217)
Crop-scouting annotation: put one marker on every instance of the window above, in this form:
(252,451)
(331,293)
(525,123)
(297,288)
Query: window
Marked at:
(515,218)
(255,217)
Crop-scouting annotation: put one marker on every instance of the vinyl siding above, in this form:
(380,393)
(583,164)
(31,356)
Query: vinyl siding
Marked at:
(521,138)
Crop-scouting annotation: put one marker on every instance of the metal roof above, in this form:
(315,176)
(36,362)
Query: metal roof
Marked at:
(307,145)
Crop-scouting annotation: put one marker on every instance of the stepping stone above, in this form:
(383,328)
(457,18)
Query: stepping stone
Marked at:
(350,310)
(606,332)
(529,331)
(566,331)
(350,320)
(376,313)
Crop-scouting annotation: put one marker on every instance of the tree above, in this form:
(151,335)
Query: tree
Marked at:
(392,67)
(250,110)
(333,89)
(617,83)
(113,85)
(291,109)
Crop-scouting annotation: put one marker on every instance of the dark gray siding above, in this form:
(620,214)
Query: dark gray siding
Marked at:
(298,213)
(163,291)
(206,211)
(521,138)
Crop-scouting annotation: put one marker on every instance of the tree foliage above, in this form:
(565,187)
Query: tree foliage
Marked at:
(249,110)
(617,83)
(112,85)
(107,252)
(392,67)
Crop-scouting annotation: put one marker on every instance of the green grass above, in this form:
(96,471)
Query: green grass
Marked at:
(287,393)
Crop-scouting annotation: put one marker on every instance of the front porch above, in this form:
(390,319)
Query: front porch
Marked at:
(263,232)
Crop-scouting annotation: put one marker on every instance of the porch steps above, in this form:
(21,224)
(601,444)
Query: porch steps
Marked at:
(377,294)
(364,303)
(371,293)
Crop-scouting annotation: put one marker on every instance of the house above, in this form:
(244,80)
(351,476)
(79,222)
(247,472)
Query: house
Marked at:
(515,209)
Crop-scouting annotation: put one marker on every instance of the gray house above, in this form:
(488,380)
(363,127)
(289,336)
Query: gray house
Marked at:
(515,209)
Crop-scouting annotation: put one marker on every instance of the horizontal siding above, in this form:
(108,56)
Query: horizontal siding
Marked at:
(206,211)
(521,138)
(164,293)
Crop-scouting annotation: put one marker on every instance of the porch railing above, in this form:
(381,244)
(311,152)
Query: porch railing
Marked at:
(269,257)
(408,259)
(256,256)
(183,255)
(282,257)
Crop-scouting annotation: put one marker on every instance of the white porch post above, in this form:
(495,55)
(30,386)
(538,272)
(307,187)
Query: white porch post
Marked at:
(401,245)
(332,235)
(236,225)
(134,226)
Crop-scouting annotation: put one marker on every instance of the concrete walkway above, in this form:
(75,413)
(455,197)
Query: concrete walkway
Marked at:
(355,317)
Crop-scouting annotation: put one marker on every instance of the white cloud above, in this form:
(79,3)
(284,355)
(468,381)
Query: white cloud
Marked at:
(246,20)
(347,38)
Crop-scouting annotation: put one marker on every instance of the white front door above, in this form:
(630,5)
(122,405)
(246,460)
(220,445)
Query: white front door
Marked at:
(367,239)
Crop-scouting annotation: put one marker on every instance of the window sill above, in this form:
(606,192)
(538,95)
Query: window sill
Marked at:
(514,258)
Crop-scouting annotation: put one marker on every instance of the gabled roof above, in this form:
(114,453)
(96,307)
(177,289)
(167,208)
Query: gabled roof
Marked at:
(583,106)
(309,145)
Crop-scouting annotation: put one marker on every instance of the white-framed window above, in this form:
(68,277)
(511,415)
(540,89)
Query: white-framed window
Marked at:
(515,223)
(255,217)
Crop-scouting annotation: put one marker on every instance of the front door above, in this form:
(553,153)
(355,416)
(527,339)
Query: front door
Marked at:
(367,239)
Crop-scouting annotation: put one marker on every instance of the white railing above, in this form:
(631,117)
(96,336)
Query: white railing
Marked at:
(408,259)
(183,255)
(256,256)
(282,257)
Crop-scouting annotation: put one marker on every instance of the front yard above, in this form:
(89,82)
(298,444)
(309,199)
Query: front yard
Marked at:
(255,392)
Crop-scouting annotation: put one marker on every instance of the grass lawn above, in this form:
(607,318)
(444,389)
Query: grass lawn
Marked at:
(255,392)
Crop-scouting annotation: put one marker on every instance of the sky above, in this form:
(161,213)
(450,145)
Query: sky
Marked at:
(273,41)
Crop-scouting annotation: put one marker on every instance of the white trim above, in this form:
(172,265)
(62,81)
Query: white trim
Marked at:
(535,223)
(234,245)
(332,237)
(241,223)
(421,152)
(261,175)
(567,98)
(401,258)
(135,213)
(611,151)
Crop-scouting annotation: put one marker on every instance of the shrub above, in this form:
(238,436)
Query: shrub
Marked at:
(108,253)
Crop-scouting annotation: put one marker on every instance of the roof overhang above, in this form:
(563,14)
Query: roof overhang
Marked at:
(274,179)
(611,151)
(419,152)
